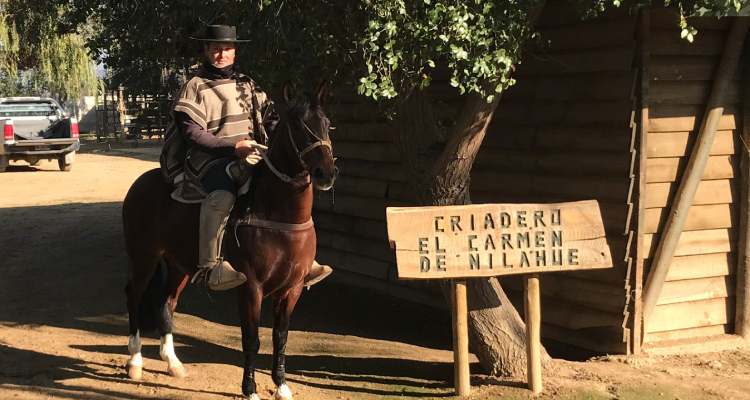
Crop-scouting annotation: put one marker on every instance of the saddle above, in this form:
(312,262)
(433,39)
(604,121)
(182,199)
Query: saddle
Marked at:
(188,189)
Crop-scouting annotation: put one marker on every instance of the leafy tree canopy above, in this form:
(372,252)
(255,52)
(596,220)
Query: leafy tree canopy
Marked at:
(37,58)
(391,46)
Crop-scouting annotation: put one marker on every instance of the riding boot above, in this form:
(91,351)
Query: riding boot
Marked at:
(317,273)
(213,218)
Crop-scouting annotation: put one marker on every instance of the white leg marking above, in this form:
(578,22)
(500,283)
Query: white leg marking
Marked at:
(283,393)
(166,352)
(134,348)
(135,363)
(253,396)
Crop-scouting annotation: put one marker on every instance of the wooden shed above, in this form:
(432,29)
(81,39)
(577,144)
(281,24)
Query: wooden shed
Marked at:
(607,109)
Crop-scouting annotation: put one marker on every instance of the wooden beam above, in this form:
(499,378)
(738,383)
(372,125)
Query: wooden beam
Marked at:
(692,314)
(604,59)
(598,33)
(601,339)
(682,67)
(696,289)
(644,28)
(688,333)
(695,167)
(719,191)
(460,338)
(742,312)
(557,162)
(690,243)
(354,263)
(600,296)
(676,144)
(663,119)
(533,316)
(690,92)
(706,43)
(601,86)
(712,216)
(701,266)
(668,169)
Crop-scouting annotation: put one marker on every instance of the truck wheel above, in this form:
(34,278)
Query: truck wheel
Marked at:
(3,163)
(64,165)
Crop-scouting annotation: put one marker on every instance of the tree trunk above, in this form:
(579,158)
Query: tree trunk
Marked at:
(440,161)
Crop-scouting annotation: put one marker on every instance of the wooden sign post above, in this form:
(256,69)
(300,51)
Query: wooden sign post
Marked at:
(484,240)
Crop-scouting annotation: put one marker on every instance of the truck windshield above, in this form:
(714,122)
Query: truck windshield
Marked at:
(27,109)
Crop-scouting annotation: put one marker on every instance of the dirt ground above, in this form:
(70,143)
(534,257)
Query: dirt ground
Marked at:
(63,325)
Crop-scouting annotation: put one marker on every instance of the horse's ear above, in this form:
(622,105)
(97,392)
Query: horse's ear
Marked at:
(323,92)
(287,92)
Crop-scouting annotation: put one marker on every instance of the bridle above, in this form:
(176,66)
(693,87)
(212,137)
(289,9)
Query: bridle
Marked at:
(319,142)
(303,178)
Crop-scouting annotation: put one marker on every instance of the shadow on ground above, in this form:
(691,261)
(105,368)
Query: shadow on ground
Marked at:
(49,370)
(65,265)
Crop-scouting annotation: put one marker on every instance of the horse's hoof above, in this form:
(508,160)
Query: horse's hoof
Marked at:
(135,372)
(283,393)
(253,396)
(177,370)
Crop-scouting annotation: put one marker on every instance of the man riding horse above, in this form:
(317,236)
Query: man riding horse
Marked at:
(212,144)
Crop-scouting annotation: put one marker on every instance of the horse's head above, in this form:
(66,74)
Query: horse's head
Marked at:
(309,134)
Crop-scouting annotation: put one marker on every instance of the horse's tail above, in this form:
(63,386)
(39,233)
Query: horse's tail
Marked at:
(154,298)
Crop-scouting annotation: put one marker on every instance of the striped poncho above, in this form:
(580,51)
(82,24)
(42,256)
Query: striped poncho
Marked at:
(228,108)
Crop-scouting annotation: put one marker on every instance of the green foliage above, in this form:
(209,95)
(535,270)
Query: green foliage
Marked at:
(8,55)
(39,59)
(65,68)
(687,8)
(146,45)
(479,41)
(389,47)
(717,8)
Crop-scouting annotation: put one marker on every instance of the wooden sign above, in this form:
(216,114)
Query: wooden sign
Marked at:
(497,239)
(485,240)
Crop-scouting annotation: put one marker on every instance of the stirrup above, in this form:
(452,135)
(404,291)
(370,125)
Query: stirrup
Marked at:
(201,275)
(224,277)
(323,272)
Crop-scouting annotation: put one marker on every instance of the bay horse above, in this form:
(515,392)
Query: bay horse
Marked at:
(274,246)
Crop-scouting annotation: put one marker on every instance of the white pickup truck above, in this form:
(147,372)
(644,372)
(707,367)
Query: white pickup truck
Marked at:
(36,128)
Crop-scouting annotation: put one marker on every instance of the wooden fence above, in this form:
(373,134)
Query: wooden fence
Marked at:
(120,115)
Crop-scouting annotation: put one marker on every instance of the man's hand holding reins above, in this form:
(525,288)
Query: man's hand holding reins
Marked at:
(250,150)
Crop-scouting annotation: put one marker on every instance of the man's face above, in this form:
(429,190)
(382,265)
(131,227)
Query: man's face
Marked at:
(220,54)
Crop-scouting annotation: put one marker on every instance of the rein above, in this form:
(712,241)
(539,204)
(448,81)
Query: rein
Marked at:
(252,220)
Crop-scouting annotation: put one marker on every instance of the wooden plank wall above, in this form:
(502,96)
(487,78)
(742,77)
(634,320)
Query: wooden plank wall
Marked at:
(350,221)
(564,133)
(698,297)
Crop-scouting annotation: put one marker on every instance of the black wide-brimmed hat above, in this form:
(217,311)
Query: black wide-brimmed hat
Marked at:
(220,33)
